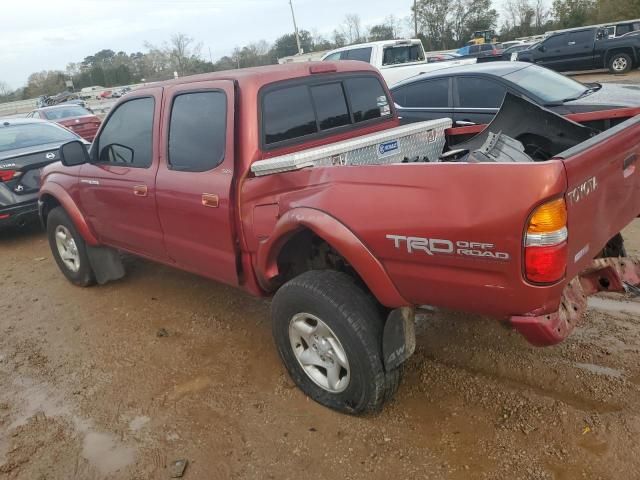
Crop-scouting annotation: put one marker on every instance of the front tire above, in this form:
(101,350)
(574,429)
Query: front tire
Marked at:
(620,63)
(69,248)
(328,332)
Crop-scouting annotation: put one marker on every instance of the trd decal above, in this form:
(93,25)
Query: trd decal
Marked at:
(438,246)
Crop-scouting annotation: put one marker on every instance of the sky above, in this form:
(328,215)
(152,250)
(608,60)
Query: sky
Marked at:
(40,35)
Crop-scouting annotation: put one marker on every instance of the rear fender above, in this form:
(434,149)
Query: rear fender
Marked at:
(340,238)
(64,199)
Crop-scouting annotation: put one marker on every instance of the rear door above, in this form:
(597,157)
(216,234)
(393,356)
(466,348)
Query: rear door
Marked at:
(476,100)
(603,193)
(195,178)
(117,189)
(424,100)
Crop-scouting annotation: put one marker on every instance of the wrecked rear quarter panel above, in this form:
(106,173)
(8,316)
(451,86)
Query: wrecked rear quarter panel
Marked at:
(476,214)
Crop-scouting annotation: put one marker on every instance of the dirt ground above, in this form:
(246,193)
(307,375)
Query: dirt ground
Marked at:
(89,390)
(605,77)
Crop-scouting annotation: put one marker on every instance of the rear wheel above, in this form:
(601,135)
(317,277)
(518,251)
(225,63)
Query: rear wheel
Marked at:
(329,335)
(620,63)
(69,248)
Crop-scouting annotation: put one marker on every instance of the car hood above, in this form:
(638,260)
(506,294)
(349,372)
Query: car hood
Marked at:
(610,95)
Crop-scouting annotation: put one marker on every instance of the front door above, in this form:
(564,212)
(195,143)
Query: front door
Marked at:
(117,189)
(195,177)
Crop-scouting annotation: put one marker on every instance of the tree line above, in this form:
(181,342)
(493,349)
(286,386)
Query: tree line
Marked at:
(441,24)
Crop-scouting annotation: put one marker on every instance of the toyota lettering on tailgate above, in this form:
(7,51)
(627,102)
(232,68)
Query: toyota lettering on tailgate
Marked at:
(437,246)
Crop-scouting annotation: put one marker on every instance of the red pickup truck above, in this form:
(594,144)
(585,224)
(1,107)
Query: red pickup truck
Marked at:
(298,182)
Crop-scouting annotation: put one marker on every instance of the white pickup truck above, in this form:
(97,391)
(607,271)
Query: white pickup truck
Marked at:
(397,60)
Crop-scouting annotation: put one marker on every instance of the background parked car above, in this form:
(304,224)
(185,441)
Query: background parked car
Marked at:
(509,53)
(585,49)
(74,117)
(441,57)
(473,94)
(484,51)
(26,145)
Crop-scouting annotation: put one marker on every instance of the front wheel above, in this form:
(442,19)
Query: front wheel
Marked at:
(620,63)
(328,332)
(69,248)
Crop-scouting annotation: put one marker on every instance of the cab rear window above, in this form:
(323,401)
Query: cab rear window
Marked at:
(297,112)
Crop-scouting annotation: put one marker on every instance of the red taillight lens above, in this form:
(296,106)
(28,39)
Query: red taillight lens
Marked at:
(545,243)
(6,175)
(546,264)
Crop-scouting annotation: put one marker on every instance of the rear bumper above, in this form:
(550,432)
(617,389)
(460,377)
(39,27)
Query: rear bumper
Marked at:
(604,275)
(18,214)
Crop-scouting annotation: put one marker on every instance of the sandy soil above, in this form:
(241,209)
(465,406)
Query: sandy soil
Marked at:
(605,77)
(89,390)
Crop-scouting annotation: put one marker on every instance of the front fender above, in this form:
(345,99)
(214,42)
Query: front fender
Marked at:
(58,193)
(343,240)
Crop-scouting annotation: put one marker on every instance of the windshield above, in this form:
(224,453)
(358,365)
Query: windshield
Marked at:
(65,112)
(13,137)
(403,54)
(547,85)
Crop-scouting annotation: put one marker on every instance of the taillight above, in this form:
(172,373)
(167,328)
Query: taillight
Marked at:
(6,175)
(545,243)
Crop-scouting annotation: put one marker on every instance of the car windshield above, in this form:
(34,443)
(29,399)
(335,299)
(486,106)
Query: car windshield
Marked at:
(65,112)
(13,137)
(547,85)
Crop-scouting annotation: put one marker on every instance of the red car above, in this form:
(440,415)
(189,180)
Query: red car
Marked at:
(76,118)
(297,181)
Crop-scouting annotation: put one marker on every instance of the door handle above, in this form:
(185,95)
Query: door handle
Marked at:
(140,190)
(465,123)
(210,200)
(571,43)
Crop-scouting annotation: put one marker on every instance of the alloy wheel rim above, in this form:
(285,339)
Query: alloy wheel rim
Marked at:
(67,248)
(319,352)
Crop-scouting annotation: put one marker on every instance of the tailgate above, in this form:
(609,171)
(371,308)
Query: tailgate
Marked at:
(603,190)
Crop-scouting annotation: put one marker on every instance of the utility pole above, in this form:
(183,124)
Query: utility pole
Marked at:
(295,27)
(415,16)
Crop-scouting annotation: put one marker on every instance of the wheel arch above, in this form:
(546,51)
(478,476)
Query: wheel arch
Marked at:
(53,195)
(628,50)
(339,238)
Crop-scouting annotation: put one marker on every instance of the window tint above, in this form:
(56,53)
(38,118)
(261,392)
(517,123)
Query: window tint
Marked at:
(197,131)
(622,29)
(331,106)
(292,112)
(367,97)
(486,47)
(361,54)
(581,38)
(425,94)
(556,41)
(474,49)
(480,93)
(288,113)
(402,54)
(131,127)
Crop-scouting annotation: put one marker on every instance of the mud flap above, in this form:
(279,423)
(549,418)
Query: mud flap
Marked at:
(106,264)
(399,339)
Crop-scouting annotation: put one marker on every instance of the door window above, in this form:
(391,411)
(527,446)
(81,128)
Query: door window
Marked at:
(333,57)
(581,38)
(425,94)
(361,54)
(557,41)
(480,93)
(197,131)
(127,137)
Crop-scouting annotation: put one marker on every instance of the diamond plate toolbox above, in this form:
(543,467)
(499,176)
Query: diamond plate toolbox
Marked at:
(423,141)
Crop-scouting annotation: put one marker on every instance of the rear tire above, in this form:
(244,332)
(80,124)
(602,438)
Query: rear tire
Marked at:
(323,322)
(69,248)
(620,63)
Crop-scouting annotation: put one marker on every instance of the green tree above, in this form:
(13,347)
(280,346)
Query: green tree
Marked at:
(613,10)
(286,45)
(574,13)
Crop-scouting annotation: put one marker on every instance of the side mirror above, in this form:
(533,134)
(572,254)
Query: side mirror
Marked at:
(73,153)
(116,153)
